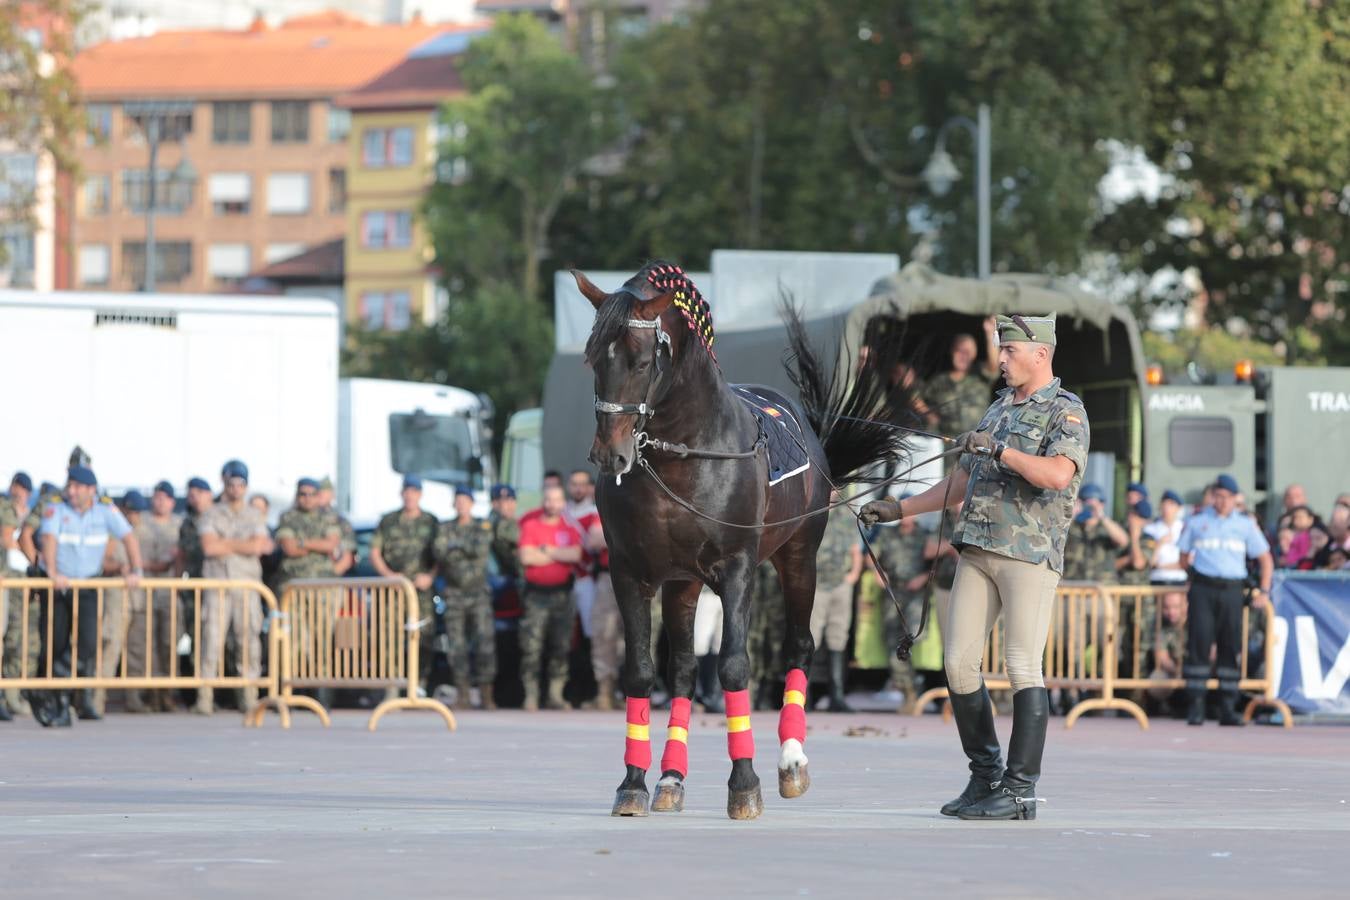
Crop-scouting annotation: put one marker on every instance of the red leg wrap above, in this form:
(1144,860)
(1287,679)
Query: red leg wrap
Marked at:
(740,741)
(638,743)
(676,756)
(792,719)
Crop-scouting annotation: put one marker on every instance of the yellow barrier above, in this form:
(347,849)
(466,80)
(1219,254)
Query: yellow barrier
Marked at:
(1130,605)
(1083,653)
(156,640)
(350,633)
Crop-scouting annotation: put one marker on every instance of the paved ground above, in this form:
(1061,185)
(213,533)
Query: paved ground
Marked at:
(514,805)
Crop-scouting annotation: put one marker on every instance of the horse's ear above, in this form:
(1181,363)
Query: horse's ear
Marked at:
(589,290)
(653,308)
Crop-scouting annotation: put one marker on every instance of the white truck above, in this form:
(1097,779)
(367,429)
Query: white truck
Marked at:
(161,386)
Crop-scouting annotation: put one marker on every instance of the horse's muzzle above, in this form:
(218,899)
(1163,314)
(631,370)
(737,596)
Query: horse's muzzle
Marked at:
(613,459)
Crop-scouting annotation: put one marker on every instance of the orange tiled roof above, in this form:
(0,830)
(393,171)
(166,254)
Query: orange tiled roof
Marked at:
(317,55)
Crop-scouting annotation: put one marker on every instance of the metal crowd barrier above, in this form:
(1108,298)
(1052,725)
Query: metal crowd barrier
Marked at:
(349,633)
(163,619)
(1083,652)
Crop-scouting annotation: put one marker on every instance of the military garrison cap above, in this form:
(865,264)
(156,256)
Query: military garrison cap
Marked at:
(1034,329)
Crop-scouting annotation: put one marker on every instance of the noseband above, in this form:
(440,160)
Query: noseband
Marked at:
(647,408)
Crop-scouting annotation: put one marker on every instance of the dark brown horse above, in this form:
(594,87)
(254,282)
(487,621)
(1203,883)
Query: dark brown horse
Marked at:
(689,495)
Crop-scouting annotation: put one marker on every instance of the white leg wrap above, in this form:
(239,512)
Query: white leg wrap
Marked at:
(792,755)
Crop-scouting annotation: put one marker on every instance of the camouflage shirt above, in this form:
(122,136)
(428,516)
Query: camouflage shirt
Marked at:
(314,525)
(505,543)
(405,543)
(9,522)
(900,556)
(833,559)
(1090,554)
(190,545)
(461,552)
(1129,575)
(33,523)
(958,404)
(1003,512)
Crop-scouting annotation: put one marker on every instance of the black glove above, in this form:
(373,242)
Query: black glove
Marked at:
(885,510)
(981,442)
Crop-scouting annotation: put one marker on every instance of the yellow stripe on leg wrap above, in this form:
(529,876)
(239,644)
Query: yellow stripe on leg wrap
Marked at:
(639,732)
(676,733)
(738,723)
(796,698)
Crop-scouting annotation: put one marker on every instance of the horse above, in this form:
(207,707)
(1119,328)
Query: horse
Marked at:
(686,498)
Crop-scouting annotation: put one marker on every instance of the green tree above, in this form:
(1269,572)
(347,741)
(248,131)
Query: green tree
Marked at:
(1248,119)
(39,99)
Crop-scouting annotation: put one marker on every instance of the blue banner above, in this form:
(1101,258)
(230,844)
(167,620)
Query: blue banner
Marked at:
(1312,641)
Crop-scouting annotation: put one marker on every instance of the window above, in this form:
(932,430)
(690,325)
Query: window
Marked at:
(386,310)
(97,189)
(173,261)
(231,193)
(383,148)
(1200,441)
(18,178)
(277,252)
(386,229)
(439,448)
(290,121)
(337,190)
(227,262)
(339,124)
(17,261)
(171,195)
(231,122)
(288,193)
(94,264)
(99,122)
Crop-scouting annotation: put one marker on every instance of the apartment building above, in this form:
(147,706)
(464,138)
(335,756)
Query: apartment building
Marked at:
(251,152)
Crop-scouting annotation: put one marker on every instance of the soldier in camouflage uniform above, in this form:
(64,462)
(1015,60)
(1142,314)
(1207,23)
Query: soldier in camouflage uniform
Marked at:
(768,631)
(13,564)
(1133,567)
(1019,473)
(505,531)
(900,552)
(958,397)
(401,545)
(838,565)
(1094,541)
(309,537)
(200,499)
(1168,652)
(344,557)
(48,495)
(461,550)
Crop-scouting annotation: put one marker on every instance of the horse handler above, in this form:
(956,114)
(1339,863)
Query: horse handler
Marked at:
(1018,475)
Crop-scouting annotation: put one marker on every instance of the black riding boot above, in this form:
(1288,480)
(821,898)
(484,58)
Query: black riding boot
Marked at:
(710,691)
(5,714)
(837,701)
(1016,795)
(974,714)
(1195,709)
(87,708)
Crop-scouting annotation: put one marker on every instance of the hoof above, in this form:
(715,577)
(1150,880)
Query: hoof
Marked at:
(747,804)
(629,802)
(793,781)
(669,797)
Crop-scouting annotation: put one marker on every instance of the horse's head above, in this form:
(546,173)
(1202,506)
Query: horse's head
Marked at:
(632,349)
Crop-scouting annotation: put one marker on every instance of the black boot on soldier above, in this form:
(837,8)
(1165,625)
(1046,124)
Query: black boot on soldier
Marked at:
(837,675)
(1195,708)
(1228,709)
(974,714)
(1016,794)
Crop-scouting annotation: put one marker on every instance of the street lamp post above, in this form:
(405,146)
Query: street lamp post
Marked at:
(941,173)
(159,121)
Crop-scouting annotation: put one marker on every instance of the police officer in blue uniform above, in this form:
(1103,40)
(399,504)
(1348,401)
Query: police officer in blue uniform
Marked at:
(1215,546)
(74,536)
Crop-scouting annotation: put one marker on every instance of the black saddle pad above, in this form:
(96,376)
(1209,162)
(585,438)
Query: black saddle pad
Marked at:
(782,435)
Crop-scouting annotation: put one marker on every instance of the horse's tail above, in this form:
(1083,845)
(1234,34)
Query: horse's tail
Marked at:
(853,420)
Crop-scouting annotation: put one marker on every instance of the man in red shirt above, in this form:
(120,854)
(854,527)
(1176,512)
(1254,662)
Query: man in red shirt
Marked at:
(549,549)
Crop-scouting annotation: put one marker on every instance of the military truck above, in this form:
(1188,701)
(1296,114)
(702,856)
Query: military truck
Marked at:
(1271,428)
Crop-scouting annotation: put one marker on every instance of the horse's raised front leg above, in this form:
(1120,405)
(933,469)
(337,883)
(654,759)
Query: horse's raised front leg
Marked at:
(733,667)
(635,607)
(796,567)
(678,602)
